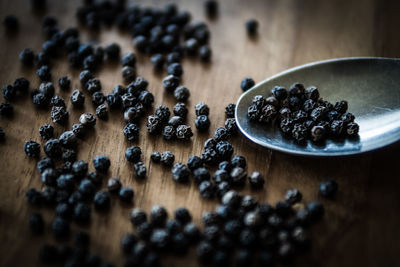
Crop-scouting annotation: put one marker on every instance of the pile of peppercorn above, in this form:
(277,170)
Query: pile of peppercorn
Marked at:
(301,114)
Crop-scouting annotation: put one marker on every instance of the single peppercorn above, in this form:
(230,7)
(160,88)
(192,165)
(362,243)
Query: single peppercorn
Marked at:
(180,173)
(102,112)
(221,134)
(181,93)
(36,223)
(60,227)
(6,109)
(251,26)
(247,83)
(82,213)
(46,131)
(98,98)
(101,163)
(202,123)
(163,113)
(158,61)
(221,176)
(184,132)
(128,59)
(180,110)
(175,69)
(256,180)
(32,149)
(201,174)
(68,139)
(194,162)
(133,153)
(112,51)
(11,23)
(87,120)
(209,156)
(293,196)
(93,85)
(328,188)
(128,73)
(206,189)
(224,150)
(167,158)
(230,110)
(126,194)
(80,168)
(158,215)
(140,169)
(170,83)
(169,132)
(44,73)
(153,124)
(26,56)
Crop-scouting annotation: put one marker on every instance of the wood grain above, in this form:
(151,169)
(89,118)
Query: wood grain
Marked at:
(361,226)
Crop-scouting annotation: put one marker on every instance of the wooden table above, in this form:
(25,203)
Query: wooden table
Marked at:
(361,226)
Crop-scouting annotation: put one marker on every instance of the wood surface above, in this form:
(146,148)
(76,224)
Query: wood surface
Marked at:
(361,226)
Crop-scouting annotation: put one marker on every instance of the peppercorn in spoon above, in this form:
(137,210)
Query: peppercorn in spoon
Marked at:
(369,85)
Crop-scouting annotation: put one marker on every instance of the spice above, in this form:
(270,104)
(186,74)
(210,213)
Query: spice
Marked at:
(112,51)
(80,168)
(65,83)
(251,26)
(181,93)
(140,169)
(184,132)
(180,110)
(202,123)
(256,180)
(126,194)
(6,109)
(26,56)
(87,120)
(155,157)
(163,113)
(158,61)
(167,158)
(60,227)
(133,153)
(102,112)
(221,134)
(206,189)
(138,216)
(32,149)
(158,215)
(36,223)
(128,59)
(170,83)
(328,188)
(194,162)
(230,110)
(293,196)
(153,124)
(82,213)
(180,173)
(44,73)
(101,163)
(77,98)
(247,83)
(169,132)
(114,185)
(201,174)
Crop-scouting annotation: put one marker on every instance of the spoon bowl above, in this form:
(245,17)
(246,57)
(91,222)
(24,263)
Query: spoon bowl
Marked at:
(370,85)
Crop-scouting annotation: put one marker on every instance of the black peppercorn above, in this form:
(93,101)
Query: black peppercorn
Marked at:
(202,123)
(34,197)
(64,82)
(146,98)
(256,180)
(247,83)
(210,156)
(93,85)
(57,101)
(128,73)
(328,188)
(201,174)
(137,217)
(101,163)
(183,215)
(79,130)
(102,112)
(80,168)
(98,98)
(352,129)
(180,110)
(163,113)
(225,165)
(169,132)
(280,92)
(167,158)
(158,61)
(158,215)
(64,210)
(60,227)
(238,176)
(49,176)
(341,106)
(77,98)
(202,109)
(128,59)
(316,210)
(59,114)
(206,189)
(184,132)
(36,223)
(299,132)
(112,51)
(140,169)
(230,110)
(317,133)
(175,121)
(9,92)
(68,139)
(231,126)
(6,109)
(44,73)
(205,251)
(170,83)
(231,199)
(46,131)
(114,185)
(251,26)
(221,134)
(205,53)
(11,23)
(175,69)
(82,213)
(153,124)
(293,196)
(224,150)
(194,162)
(32,149)
(26,56)
(85,76)
(133,153)
(126,194)
(180,173)
(181,93)
(87,120)
(337,128)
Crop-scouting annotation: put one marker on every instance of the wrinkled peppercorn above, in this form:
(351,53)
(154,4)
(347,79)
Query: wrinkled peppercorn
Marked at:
(44,73)
(46,131)
(230,110)
(167,158)
(181,93)
(36,223)
(6,109)
(170,83)
(180,110)
(60,227)
(328,188)
(202,123)
(32,149)
(59,114)
(133,153)
(184,132)
(140,169)
(155,157)
(87,120)
(80,168)
(251,26)
(101,163)
(26,56)
(180,173)
(126,194)
(256,180)
(102,112)
(158,215)
(77,98)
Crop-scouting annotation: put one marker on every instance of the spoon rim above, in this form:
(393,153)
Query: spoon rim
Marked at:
(307,153)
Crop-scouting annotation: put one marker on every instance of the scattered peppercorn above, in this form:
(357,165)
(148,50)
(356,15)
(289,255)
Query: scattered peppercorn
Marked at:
(181,93)
(36,223)
(251,26)
(328,188)
(32,149)
(158,215)
(126,194)
(114,185)
(11,23)
(140,169)
(155,157)
(180,173)
(26,56)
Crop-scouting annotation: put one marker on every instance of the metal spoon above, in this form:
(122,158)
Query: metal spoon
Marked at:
(370,85)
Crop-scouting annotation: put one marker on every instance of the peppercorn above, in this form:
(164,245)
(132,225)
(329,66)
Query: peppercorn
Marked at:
(140,169)
(127,243)
(231,126)
(175,69)
(68,139)
(57,101)
(49,176)
(251,27)
(316,210)
(146,98)
(210,156)
(158,61)
(181,93)
(180,110)
(191,232)
(95,178)
(114,185)
(98,98)
(205,53)
(206,189)
(204,251)
(36,223)
(183,215)
(202,109)
(293,196)
(163,113)
(87,120)
(65,182)
(82,213)
(32,149)
(175,121)
(112,51)
(221,134)
(337,128)
(328,188)
(153,124)
(44,73)
(256,180)
(133,153)
(201,174)
(9,92)
(64,211)
(247,83)
(173,57)
(202,123)
(224,150)
(87,188)
(158,215)
(209,143)
(102,112)
(60,227)
(6,109)
(231,199)
(170,83)
(126,194)
(169,132)
(26,56)
(167,158)
(194,162)
(352,129)
(180,173)
(11,23)
(80,168)
(184,132)
(101,163)
(93,85)
(128,73)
